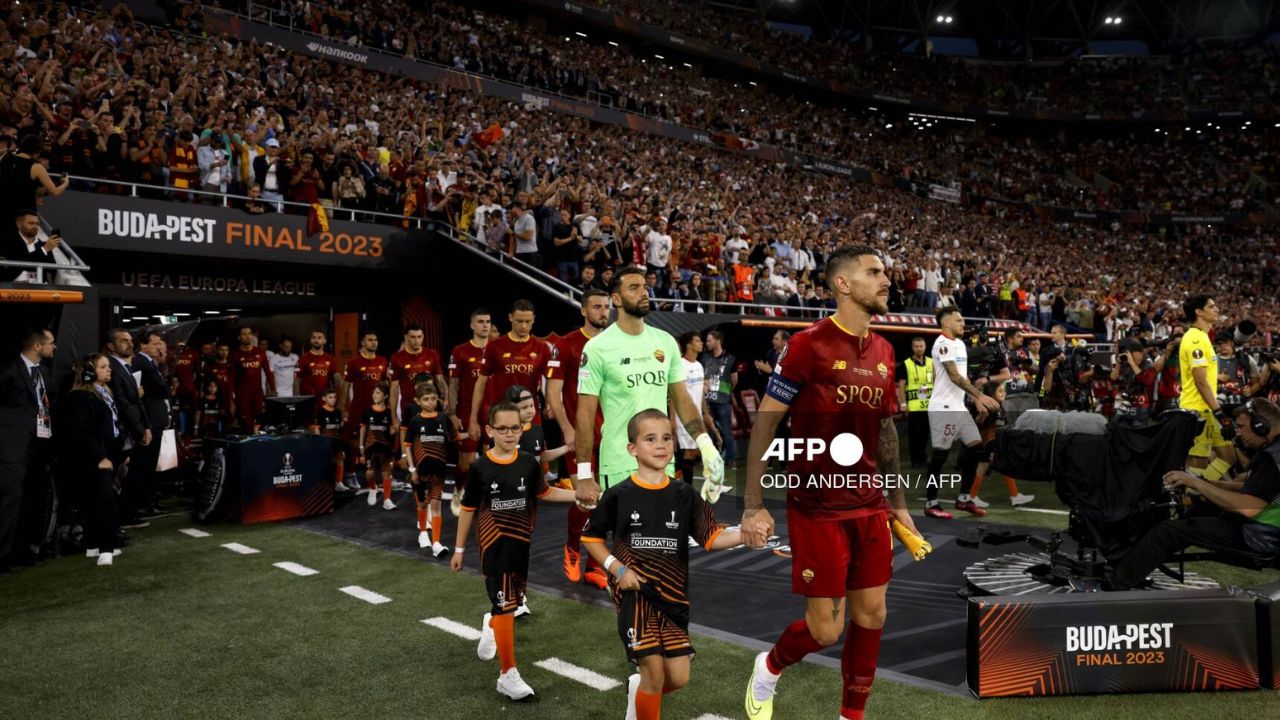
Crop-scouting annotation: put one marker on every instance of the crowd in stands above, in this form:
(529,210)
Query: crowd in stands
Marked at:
(1211,78)
(114,100)
(1196,169)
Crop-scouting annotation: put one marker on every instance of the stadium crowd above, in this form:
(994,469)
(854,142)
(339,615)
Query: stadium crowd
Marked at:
(1198,168)
(1215,78)
(565,194)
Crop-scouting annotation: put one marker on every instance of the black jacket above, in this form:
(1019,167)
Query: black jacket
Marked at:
(133,416)
(17,409)
(155,391)
(283,174)
(85,431)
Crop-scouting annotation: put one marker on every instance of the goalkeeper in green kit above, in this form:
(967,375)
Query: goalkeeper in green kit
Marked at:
(629,367)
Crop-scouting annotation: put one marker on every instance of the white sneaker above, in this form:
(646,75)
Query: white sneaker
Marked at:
(424,539)
(979,502)
(513,686)
(388,505)
(92,553)
(1021,499)
(105,558)
(693,543)
(488,647)
(763,683)
(373,497)
(633,686)
(455,505)
(446,496)
(439,551)
(341,487)
(523,609)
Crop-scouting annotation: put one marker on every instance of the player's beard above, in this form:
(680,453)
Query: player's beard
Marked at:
(599,325)
(639,310)
(872,303)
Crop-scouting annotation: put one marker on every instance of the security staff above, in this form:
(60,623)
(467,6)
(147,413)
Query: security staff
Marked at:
(915,381)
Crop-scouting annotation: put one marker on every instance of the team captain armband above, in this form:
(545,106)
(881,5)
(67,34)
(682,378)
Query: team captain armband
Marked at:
(782,389)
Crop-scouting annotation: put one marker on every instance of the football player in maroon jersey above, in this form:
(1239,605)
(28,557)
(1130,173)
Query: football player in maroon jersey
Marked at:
(464,368)
(836,379)
(562,396)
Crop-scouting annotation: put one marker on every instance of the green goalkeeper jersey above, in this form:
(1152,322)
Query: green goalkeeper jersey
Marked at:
(628,373)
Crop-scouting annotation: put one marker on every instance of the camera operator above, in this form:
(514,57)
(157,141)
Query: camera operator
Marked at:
(1020,394)
(1134,376)
(1250,504)
(1270,363)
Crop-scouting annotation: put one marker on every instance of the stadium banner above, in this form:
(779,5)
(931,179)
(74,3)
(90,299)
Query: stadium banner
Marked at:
(944,193)
(1086,643)
(112,222)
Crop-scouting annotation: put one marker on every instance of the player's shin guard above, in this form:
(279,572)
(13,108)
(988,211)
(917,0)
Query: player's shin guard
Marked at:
(422,520)
(386,486)
(437,527)
(795,643)
(504,632)
(858,666)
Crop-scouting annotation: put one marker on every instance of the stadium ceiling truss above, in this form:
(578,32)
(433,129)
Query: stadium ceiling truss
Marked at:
(1167,26)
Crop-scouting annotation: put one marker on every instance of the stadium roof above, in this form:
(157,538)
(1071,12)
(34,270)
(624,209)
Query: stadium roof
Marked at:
(1049,28)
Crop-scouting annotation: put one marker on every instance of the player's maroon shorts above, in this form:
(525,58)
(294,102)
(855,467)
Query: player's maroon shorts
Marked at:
(831,557)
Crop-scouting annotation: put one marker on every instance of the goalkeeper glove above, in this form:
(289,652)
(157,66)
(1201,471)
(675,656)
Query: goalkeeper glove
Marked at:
(712,468)
(916,545)
(1228,427)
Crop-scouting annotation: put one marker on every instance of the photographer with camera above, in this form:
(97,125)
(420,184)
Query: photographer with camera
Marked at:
(1199,367)
(1168,374)
(1020,395)
(1249,504)
(1053,383)
(1238,375)
(1134,376)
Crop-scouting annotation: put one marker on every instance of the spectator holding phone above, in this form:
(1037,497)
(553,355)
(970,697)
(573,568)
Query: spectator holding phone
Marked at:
(21,175)
(25,246)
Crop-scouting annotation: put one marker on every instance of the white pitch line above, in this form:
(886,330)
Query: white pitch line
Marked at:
(709,716)
(242,549)
(296,569)
(590,678)
(466,632)
(1042,510)
(194,532)
(368,596)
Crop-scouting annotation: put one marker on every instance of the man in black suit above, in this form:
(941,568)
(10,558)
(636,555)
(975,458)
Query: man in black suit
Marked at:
(24,245)
(155,400)
(133,418)
(272,173)
(24,419)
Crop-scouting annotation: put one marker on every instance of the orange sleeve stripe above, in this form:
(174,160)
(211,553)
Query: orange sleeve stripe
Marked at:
(470,509)
(712,539)
(586,539)
(546,492)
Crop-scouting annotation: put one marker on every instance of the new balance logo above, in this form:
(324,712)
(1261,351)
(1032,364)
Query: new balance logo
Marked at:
(839,365)
(625,361)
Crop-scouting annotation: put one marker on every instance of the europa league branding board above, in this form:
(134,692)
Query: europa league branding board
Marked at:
(1073,644)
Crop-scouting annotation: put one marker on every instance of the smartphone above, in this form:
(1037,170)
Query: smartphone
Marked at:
(56,232)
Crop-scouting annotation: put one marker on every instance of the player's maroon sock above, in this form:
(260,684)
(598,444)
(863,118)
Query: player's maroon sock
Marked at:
(577,520)
(795,643)
(858,666)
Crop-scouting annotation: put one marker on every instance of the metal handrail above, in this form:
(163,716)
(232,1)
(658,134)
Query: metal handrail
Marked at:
(332,212)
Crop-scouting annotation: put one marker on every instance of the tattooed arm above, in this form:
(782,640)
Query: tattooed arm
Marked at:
(889,466)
